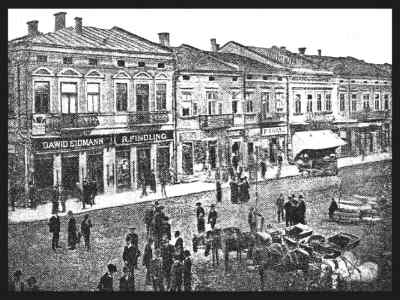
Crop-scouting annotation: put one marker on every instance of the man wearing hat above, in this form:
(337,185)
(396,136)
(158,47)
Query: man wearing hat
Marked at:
(85,230)
(212,216)
(132,236)
(106,281)
(16,284)
(54,228)
(288,211)
(167,254)
(200,213)
(72,234)
(301,210)
(187,272)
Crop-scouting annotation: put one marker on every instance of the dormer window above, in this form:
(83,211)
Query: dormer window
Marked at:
(265,77)
(234,78)
(120,63)
(41,58)
(67,60)
(249,77)
(211,78)
(161,65)
(141,64)
(353,81)
(186,77)
(93,61)
(280,78)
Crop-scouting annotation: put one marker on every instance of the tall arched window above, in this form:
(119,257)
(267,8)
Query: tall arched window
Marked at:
(297,104)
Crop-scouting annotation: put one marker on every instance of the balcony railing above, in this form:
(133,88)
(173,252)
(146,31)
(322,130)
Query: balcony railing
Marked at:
(80,120)
(320,116)
(148,117)
(207,122)
(370,115)
(271,117)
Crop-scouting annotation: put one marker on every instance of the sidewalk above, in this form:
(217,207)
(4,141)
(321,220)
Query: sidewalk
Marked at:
(43,212)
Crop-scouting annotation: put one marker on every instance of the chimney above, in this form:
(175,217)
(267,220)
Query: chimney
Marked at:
(214,45)
(78,25)
(302,50)
(33,28)
(319,52)
(164,38)
(59,21)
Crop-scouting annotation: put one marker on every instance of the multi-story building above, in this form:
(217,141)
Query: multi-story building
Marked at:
(89,103)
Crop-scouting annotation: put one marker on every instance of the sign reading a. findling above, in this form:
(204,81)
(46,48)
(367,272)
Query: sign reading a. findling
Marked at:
(144,138)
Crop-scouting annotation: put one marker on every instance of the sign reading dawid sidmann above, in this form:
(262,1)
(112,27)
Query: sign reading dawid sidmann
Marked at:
(71,143)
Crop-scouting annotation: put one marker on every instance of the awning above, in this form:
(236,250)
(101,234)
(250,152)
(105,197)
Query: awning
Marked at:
(315,140)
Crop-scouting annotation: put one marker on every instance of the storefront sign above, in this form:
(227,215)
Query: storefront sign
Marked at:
(274,130)
(140,138)
(38,128)
(71,143)
(188,136)
(253,132)
(236,133)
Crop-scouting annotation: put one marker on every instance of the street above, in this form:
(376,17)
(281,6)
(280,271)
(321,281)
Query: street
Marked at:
(29,244)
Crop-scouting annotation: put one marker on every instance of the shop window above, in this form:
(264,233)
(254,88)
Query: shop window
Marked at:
(122,96)
(328,102)
(93,97)
(93,61)
(69,98)
(122,159)
(187,158)
(342,102)
(161,96)
(297,104)
(319,102)
(42,97)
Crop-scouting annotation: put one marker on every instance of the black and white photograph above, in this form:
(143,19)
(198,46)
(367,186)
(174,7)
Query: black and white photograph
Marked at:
(199,150)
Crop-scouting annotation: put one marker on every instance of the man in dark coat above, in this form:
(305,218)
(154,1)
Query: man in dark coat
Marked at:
(301,207)
(280,202)
(157,231)
(148,219)
(144,181)
(234,191)
(244,190)
(126,283)
(295,211)
(288,211)
(147,258)
(212,216)
(86,192)
(332,208)
(32,195)
(219,191)
(106,281)
(157,272)
(187,272)
(176,275)
(200,214)
(54,199)
(85,230)
(54,228)
(179,245)
(129,256)
(133,236)
(72,232)
(167,254)
(263,168)
(153,184)
(93,191)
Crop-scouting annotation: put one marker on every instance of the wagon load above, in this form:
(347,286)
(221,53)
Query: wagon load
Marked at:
(357,208)
(296,233)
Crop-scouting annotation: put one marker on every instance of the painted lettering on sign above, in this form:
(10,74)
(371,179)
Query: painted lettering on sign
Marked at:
(71,144)
(274,131)
(138,138)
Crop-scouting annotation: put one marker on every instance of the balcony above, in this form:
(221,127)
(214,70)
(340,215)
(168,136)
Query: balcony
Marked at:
(148,117)
(78,121)
(208,122)
(370,115)
(275,117)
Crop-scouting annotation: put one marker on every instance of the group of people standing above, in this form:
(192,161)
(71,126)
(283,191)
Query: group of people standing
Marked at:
(200,216)
(293,210)
(87,193)
(150,180)
(239,187)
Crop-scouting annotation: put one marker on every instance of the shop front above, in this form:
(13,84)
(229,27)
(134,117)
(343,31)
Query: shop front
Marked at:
(273,141)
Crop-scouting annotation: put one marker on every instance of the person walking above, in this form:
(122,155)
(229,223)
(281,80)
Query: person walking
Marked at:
(295,211)
(86,192)
(179,245)
(212,216)
(153,183)
(163,183)
(263,168)
(332,208)
(147,258)
(61,197)
(245,190)
(176,275)
(148,219)
(72,231)
(288,211)
(132,235)
(126,283)
(129,257)
(31,285)
(16,284)
(302,210)
(200,213)
(167,254)
(157,272)
(144,184)
(85,230)
(187,272)
(218,191)
(93,191)
(157,231)
(54,228)
(280,207)
(106,281)
(234,191)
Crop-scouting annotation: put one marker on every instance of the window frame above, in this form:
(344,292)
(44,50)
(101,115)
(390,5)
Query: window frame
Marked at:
(319,102)
(297,104)
(163,107)
(68,94)
(328,100)
(92,59)
(116,83)
(93,94)
(34,93)
(342,102)
(309,107)
(67,58)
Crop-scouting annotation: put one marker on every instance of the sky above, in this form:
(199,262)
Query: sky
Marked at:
(362,33)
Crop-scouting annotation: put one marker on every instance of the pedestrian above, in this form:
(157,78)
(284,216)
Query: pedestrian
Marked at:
(244,190)
(163,182)
(54,199)
(31,285)
(79,191)
(176,275)
(302,210)
(179,245)
(147,258)
(234,191)
(61,197)
(167,254)
(16,284)
(252,219)
(148,219)
(126,283)
(219,191)
(187,272)
(295,211)
(288,211)
(200,213)
(153,184)
(144,183)
(86,192)
(157,231)
(129,256)
(54,228)
(106,281)
(72,232)
(212,216)
(263,168)
(157,272)
(332,208)
(32,195)
(280,207)
(93,191)
(132,235)
(85,230)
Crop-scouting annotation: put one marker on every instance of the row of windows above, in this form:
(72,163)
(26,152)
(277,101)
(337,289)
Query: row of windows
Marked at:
(69,97)
(93,61)
(309,108)
(364,81)
(365,102)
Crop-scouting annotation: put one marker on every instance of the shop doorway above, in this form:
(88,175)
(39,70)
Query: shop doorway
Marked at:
(43,175)
(212,152)
(69,171)
(143,165)
(95,170)
(163,161)
(123,168)
(187,158)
